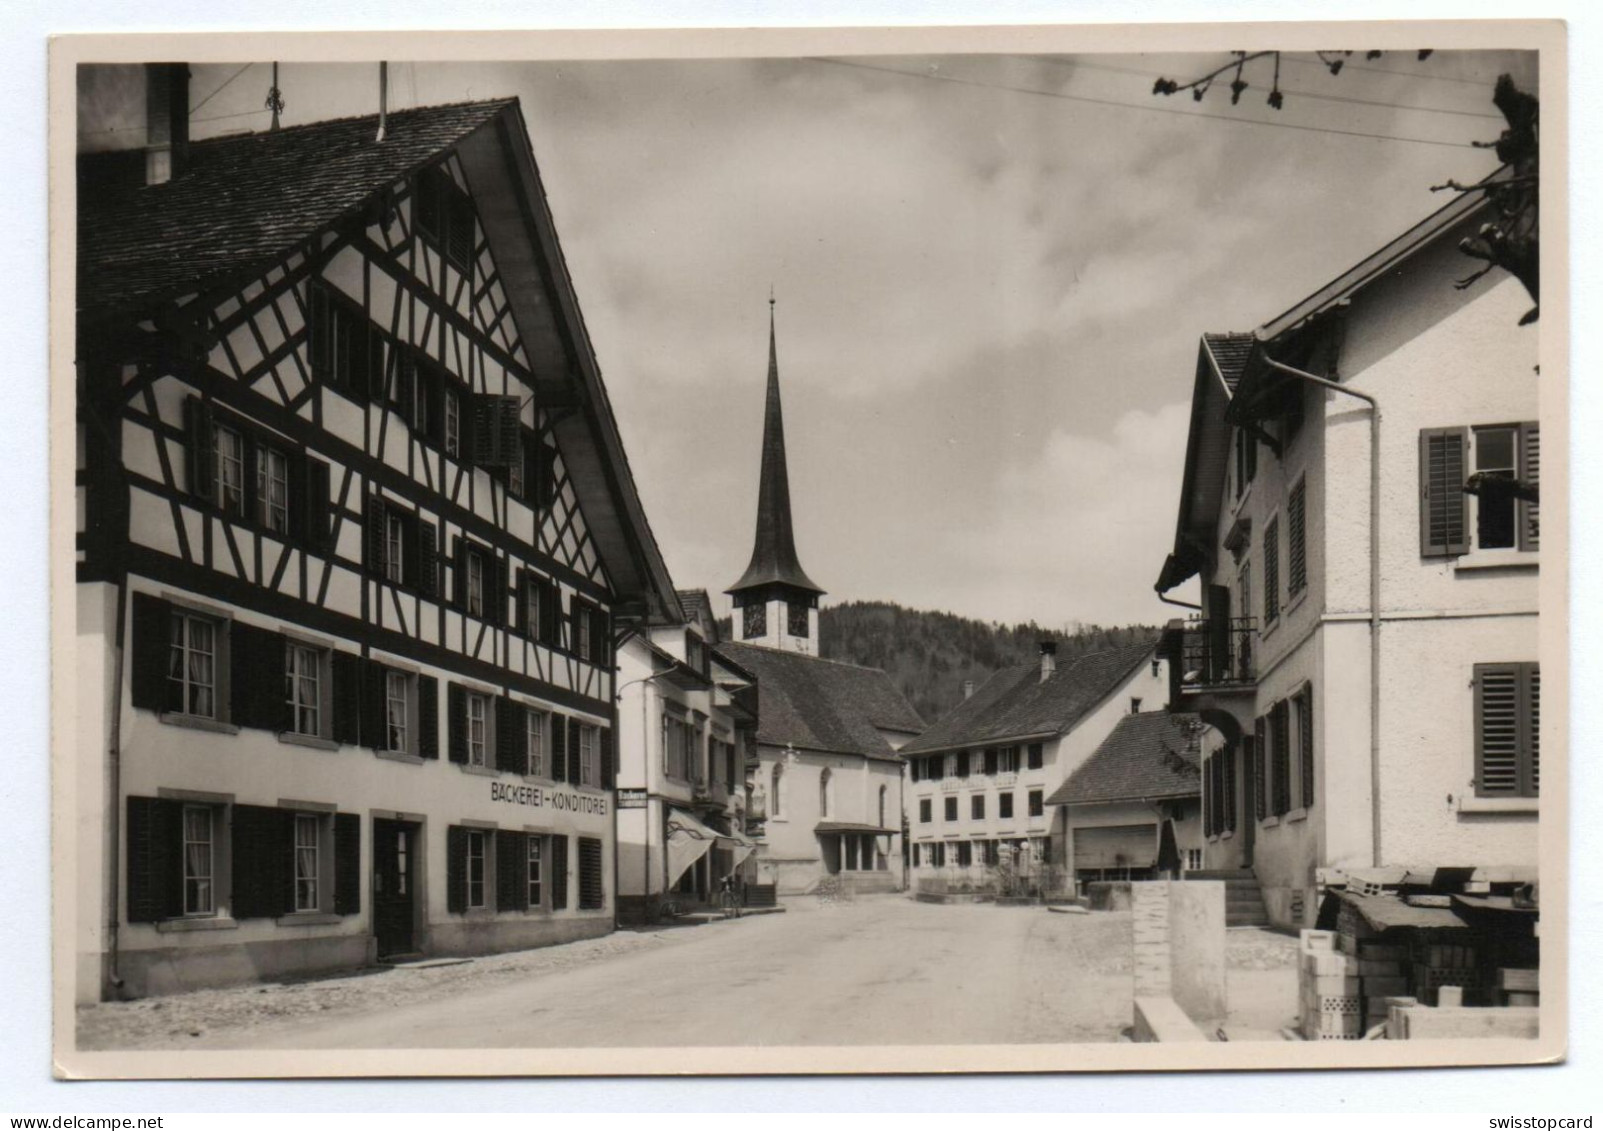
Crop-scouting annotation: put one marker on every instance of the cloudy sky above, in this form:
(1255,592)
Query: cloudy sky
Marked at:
(991,275)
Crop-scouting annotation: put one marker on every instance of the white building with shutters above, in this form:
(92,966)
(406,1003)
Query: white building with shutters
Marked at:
(1372,670)
(355,525)
(687,720)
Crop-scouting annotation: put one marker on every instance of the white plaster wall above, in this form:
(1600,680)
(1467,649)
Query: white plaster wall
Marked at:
(790,839)
(1428,809)
(86,783)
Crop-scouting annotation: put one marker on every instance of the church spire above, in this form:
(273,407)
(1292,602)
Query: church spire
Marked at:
(773,555)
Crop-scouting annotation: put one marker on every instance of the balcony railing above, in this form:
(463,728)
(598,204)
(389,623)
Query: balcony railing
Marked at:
(1219,653)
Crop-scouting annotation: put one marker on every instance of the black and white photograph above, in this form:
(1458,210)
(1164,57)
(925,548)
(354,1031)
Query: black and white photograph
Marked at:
(860,553)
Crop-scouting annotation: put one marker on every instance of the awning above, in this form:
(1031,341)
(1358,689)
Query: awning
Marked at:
(739,844)
(850,827)
(688,841)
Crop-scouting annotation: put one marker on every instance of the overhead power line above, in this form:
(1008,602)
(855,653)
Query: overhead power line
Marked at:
(1144,109)
(218,91)
(1149,76)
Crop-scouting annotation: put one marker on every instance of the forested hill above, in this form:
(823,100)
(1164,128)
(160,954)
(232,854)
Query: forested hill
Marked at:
(928,655)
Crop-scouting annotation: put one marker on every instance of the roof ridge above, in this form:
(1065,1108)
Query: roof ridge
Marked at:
(805,656)
(242,135)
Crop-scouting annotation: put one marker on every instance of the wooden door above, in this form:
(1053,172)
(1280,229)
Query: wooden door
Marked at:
(394,887)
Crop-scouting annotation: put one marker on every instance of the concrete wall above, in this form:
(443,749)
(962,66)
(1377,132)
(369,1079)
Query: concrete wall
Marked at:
(1178,936)
(1187,828)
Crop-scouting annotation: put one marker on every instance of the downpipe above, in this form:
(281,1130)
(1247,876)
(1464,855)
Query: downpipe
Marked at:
(114,788)
(1374,589)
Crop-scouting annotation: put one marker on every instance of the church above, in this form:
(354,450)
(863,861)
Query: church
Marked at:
(826,784)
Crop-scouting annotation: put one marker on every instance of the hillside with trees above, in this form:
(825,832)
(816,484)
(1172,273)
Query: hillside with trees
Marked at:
(929,655)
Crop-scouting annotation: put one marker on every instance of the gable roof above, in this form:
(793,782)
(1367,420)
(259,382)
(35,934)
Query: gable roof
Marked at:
(817,704)
(244,202)
(1232,376)
(245,199)
(1228,353)
(1017,703)
(1146,757)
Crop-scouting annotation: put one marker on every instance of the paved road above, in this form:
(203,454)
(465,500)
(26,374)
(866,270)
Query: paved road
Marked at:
(880,971)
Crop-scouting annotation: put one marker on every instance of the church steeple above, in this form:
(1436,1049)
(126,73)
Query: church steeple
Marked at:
(774,584)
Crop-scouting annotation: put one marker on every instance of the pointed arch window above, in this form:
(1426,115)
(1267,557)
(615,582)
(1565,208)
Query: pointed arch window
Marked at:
(824,783)
(882,794)
(779,773)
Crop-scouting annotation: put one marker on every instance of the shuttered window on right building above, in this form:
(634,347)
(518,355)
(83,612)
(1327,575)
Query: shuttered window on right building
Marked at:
(1507,730)
(1496,466)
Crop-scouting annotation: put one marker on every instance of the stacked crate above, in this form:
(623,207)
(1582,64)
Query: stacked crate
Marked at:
(1329,990)
(1519,986)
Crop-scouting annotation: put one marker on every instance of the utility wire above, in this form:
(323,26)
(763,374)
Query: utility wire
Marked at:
(1145,109)
(1351,66)
(218,91)
(241,114)
(1076,63)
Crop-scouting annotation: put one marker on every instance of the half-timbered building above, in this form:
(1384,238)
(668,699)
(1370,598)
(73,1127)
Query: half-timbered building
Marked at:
(354,528)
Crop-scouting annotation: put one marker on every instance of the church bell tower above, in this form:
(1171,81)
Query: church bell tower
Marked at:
(776,603)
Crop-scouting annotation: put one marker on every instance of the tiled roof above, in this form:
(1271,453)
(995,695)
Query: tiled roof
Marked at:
(693,602)
(1147,756)
(1229,353)
(246,199)
(1016,702)
(818,704)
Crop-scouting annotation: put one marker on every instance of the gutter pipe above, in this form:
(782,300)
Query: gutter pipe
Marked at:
(1374,588)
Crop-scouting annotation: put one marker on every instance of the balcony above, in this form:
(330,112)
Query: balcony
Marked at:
(1005,779)
(1218,655)
(952,785)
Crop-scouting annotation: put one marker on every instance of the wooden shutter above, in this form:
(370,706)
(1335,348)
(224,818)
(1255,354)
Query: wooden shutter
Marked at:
(601,638)
(550,614)
(532,447)
(1297,539)
(1443,506)
(155,884)
(428,559)
(151,627)
(375,731)
(1260,782)
(481,413)
(375,517)
(509,736)
(574,765)
(198,454)
(609,771)
(1037,756)
(1507,730)
(1228,812)
(405,384)
(1530,473)
(511,871)
(318,334)
(592,887)
(256,671)
(547,476)
(346,692)
(558,769)
(1210,796)
(1280,721)
(428,716)
(962,763)
(1271,570)
(456,722)
(314,511)
(456,868)
(520,604)
(496,600)
(347,864)
(259,862)
(459,574)
(559,873)
(990,761)
(1305,744)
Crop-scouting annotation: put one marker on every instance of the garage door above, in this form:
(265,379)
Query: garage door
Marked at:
(1116,846)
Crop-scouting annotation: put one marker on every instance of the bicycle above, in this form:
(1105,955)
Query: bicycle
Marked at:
(729,904)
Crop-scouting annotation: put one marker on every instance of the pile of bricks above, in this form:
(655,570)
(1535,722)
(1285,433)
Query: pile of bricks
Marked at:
(1381,972)
(1518,986)
(1442,965)
(1329,982)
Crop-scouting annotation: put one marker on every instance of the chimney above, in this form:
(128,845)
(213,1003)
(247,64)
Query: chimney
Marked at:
(1049,659)
(968,688)
(166,121)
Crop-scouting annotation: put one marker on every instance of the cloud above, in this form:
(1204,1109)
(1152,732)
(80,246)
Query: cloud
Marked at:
(1079,531)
